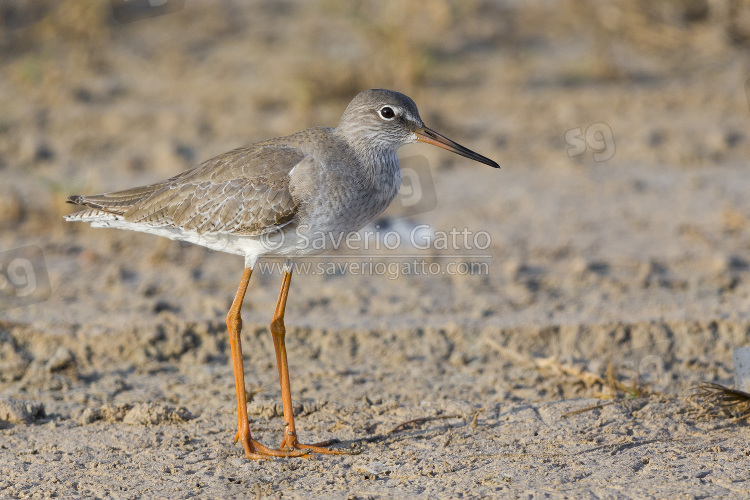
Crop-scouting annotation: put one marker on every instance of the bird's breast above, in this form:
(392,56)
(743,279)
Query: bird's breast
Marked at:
(348,198)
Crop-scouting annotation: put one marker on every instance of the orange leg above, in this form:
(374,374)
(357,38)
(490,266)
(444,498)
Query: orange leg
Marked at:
(278,331)
(253,449)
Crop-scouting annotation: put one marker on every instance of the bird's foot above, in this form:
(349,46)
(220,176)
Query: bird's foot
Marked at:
(257,451)
(291,443)
(290,447)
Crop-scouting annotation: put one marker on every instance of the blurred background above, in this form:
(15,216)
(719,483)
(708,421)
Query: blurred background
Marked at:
(621,127)
(92,103)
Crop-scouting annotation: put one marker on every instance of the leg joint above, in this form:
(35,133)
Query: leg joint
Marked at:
(234,320)
(277,326)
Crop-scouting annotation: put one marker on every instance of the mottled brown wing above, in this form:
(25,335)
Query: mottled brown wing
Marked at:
(244,192)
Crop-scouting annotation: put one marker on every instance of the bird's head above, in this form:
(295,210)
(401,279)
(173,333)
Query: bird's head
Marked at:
(380,118)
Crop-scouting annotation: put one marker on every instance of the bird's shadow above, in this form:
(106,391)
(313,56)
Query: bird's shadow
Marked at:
(405,431)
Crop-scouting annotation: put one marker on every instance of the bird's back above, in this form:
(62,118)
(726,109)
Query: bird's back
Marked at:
(312,178)
(245,191)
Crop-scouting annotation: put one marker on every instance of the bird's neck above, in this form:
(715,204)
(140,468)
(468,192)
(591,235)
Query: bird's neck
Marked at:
(378,159)
(380,165)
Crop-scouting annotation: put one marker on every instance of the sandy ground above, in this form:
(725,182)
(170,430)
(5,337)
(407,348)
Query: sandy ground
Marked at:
(616,276)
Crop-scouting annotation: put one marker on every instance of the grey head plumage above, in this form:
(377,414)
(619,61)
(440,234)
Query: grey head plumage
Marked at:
(380,119)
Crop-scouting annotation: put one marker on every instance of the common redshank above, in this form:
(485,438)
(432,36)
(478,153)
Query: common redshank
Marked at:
(272,199)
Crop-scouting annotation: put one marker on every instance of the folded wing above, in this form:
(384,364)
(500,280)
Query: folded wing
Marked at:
(243,192)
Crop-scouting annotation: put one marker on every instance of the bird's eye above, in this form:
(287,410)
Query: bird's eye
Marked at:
(387,112)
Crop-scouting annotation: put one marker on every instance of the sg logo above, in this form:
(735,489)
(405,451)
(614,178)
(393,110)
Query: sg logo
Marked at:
(598,137)
(23,277)
(417,194)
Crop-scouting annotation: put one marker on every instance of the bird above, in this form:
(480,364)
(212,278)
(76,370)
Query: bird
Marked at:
(271,199)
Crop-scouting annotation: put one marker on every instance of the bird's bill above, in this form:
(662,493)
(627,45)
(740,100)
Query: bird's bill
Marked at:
(429,136)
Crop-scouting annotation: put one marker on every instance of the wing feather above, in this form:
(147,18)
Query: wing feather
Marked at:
(245,192)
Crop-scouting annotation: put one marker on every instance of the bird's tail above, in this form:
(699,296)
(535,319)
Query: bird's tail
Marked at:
(107,205)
